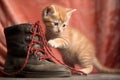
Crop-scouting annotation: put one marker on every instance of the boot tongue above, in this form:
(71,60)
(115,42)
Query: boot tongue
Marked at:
(37,37)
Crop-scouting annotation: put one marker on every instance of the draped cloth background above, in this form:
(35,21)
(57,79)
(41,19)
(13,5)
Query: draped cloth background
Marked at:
(99,20)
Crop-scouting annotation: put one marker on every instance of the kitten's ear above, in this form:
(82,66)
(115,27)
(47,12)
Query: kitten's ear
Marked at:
(49,10)
(70,11)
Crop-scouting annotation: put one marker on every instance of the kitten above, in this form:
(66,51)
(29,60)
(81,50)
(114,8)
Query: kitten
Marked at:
(73,45)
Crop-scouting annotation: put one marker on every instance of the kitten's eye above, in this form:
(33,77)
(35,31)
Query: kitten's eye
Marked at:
(56,23)
(64,25)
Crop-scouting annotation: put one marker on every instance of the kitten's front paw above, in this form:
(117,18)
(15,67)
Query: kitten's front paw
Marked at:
(53,44)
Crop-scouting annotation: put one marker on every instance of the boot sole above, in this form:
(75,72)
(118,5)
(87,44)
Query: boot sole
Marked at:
(44,74)
(40,74)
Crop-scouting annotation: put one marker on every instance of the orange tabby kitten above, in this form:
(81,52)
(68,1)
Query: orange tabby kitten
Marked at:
(73,45)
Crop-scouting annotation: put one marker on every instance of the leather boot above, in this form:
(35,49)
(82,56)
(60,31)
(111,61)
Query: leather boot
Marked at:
(26,53)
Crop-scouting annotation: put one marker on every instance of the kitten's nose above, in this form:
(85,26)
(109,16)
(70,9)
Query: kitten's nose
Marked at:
(58,30)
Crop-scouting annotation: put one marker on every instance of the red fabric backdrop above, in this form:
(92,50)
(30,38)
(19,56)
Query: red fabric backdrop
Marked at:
(99,20)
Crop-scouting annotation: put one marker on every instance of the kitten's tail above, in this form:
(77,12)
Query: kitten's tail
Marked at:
(102,68)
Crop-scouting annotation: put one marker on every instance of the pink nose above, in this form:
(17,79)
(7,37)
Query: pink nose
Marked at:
(58,30)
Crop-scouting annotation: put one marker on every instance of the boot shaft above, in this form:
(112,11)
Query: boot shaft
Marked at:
(18,39)
(26,53)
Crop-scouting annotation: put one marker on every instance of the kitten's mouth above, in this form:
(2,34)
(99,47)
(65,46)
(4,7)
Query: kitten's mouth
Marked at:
(56,32)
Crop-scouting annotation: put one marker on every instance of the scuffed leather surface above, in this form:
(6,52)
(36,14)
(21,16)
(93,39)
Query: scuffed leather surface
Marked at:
(99,20)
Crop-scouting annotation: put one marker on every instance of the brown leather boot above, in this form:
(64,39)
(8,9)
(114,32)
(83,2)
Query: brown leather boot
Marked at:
(26,53)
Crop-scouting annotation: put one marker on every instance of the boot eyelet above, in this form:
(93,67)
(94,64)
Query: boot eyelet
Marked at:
(29,30)
(28,38)
(32,30)
(26,48)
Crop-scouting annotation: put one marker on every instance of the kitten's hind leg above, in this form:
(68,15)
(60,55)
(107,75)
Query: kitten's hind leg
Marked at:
(86,70)
(86,63)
